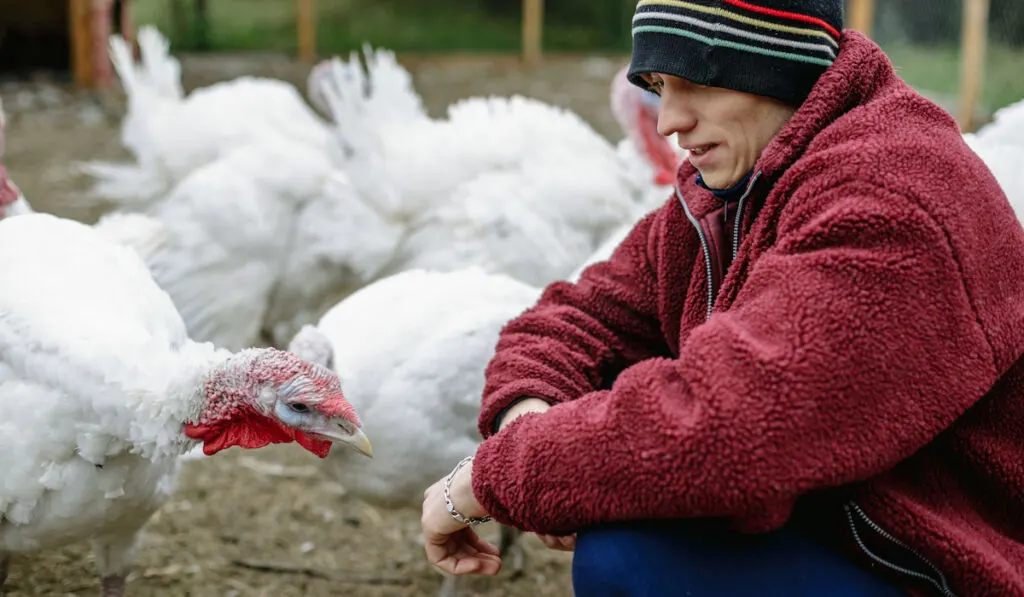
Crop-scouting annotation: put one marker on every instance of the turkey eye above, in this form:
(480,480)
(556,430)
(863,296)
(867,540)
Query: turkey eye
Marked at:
(299,407)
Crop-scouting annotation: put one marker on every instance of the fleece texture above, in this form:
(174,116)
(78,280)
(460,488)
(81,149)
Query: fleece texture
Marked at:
(865,343)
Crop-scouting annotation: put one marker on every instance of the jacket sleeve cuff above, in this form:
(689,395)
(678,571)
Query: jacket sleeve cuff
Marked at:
(490,471)
(496,422)
(499,402)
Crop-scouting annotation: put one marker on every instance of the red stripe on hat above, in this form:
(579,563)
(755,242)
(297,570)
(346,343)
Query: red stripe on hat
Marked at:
(785,15)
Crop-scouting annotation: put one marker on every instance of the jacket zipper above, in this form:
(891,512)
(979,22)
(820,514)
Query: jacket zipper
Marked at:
(739,215)
(706,247)
(938,581)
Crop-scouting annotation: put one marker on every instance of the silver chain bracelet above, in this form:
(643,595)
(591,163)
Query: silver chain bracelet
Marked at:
(472,521)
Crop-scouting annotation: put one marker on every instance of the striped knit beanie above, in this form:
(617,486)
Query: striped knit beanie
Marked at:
(775,48)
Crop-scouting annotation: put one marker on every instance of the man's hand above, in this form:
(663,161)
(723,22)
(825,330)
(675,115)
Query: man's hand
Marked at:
(452,546)
(566,543)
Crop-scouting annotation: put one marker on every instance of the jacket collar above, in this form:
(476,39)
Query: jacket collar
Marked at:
(859,73)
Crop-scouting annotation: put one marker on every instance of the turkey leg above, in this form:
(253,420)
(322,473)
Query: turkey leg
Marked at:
(450,586)
(112,586)
(114,555)
(511,550)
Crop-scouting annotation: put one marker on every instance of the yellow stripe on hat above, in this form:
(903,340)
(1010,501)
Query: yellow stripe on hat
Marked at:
(721,12)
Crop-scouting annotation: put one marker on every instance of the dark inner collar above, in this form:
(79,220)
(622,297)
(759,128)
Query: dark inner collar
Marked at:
(729,194)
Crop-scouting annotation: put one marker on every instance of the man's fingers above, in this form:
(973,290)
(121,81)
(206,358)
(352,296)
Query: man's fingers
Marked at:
(489,565)
(465,565)
(436,553)
(483,564)
(482,546)
(566,543)
(478,562)
(462,553)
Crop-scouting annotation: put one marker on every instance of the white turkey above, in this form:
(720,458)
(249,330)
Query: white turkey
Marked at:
(502,173)
(260,239)
(262,232)
(101,391)
(170,135)
(411,350)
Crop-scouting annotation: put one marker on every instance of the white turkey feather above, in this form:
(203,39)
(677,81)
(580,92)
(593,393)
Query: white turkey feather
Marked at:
(495,221)
(229,226)
(1006,128)
(1007,165)
(341,243)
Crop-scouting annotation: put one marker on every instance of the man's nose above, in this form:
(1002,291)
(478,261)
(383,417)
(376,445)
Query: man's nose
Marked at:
(674,115)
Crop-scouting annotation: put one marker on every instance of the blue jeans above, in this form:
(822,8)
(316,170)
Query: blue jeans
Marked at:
(695,559)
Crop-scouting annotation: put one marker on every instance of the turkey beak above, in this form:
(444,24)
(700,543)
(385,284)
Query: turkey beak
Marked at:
(360,443)
(338,433)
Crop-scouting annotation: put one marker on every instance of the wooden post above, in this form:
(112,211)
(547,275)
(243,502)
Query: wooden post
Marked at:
(305,11)
(974,36)
(101,27)
(127,21)
(79,23)
(201,12)
(533,28)
(862,15)
(178,19)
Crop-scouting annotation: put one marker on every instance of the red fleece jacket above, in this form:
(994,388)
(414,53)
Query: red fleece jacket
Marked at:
(867,337)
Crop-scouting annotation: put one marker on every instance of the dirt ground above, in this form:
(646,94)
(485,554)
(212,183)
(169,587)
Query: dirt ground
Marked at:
(264,523)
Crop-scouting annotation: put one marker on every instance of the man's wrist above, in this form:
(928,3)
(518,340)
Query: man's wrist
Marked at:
(523,406)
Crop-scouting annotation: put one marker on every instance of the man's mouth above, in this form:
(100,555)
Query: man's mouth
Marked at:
(701,149)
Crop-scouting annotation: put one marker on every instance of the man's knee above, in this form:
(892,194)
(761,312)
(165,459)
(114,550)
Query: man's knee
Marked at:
(606,557)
